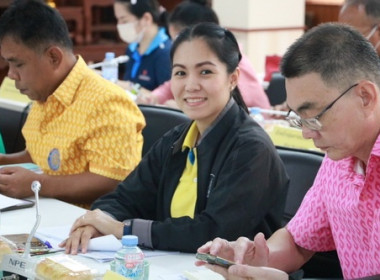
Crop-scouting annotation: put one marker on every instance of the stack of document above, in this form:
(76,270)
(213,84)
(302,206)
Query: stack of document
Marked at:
(101,249)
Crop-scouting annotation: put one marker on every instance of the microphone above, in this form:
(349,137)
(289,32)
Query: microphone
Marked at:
(118,60)
(36,186)
(24,265)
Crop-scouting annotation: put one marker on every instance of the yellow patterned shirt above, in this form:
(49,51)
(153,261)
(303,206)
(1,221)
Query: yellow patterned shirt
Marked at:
(87,124)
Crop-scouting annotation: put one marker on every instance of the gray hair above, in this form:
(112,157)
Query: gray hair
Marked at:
(371,8)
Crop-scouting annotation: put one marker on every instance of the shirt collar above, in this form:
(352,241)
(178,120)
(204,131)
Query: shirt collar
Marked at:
(66,90)
(191,137)
(157,41)
(192,134)
(376,147)
(216,121)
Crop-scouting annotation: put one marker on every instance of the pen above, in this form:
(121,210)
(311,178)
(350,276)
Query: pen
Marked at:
(47,243)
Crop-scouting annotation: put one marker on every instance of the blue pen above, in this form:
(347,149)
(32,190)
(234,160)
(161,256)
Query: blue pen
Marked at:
(47,243)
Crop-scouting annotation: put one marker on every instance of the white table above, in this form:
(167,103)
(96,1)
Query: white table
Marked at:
(57,213)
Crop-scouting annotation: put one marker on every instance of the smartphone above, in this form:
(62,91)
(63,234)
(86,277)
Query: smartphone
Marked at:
(211,259)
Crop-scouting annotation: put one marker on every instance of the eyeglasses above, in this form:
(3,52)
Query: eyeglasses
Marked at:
(313,123)
(373,30)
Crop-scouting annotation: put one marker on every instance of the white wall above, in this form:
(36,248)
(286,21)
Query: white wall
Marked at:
(262,27)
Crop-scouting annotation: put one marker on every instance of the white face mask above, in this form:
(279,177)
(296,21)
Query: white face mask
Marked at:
(127,32)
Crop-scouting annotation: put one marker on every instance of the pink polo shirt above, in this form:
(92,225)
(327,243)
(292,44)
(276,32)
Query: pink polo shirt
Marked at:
(342,211)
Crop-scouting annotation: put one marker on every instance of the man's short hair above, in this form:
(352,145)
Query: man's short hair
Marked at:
(35,24)
(339,53)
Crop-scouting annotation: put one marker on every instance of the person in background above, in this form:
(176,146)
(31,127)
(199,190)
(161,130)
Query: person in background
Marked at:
(364,15)
(332,78)
(192,12)
(82,131)
(196,181)
(138,24)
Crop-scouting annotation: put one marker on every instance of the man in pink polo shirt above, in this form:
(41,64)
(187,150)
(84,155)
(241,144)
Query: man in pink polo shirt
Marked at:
(332,81)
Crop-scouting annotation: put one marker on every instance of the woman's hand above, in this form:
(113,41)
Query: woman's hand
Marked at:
(79,239)
(92,224)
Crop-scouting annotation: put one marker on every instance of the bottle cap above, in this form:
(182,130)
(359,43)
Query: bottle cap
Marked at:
(255,110)
(129,240)
(110,55)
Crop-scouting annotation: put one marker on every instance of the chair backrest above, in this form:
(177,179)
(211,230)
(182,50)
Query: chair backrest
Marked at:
(158,121)
(302,167)
(276,91)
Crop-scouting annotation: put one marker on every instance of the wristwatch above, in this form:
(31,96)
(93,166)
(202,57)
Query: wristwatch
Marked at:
(127,227)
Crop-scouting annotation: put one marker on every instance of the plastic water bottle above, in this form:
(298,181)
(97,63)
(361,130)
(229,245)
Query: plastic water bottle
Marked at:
(110,69)
(129,260)
(255,113)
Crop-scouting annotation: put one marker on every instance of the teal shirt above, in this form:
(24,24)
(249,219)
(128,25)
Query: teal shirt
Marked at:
(2,149)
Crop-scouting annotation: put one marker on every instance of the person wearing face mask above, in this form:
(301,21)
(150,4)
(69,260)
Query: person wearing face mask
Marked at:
(188,13)
(364,15)
(138,24)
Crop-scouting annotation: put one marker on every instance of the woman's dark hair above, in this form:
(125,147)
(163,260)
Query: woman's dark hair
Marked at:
(191,12)
(139,7)
(221,41)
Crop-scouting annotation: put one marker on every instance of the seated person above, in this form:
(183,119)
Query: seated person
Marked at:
(188,13)
(82,131)
(148,44)
(364,15)
(333,83)
(195,182)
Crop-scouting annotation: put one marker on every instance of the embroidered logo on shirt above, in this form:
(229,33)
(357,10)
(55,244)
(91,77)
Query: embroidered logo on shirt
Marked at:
(54,159)
(144,75)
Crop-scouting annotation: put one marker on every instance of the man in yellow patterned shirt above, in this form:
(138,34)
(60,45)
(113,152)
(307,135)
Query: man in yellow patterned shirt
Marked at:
(83,131)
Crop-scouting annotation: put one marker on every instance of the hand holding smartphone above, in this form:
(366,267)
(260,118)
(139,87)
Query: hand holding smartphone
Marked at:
(211,259)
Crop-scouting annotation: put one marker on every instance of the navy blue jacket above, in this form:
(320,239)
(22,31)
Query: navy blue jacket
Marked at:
(242,187)
(152,68)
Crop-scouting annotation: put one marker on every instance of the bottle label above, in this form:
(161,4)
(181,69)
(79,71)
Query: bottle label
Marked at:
(131,267)
(133,260)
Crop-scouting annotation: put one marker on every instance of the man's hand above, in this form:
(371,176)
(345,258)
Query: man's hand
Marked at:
(240,272)
(16,181)
(251,258)
(241,251)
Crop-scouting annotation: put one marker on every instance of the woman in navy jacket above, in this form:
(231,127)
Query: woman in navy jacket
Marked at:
(139,25)
(238,186)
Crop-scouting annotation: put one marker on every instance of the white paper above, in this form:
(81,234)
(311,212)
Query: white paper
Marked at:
(6,201)
(101,248)
(104,243)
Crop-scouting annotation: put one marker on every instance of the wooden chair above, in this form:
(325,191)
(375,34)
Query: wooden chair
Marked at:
(92,18)
(74,14)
